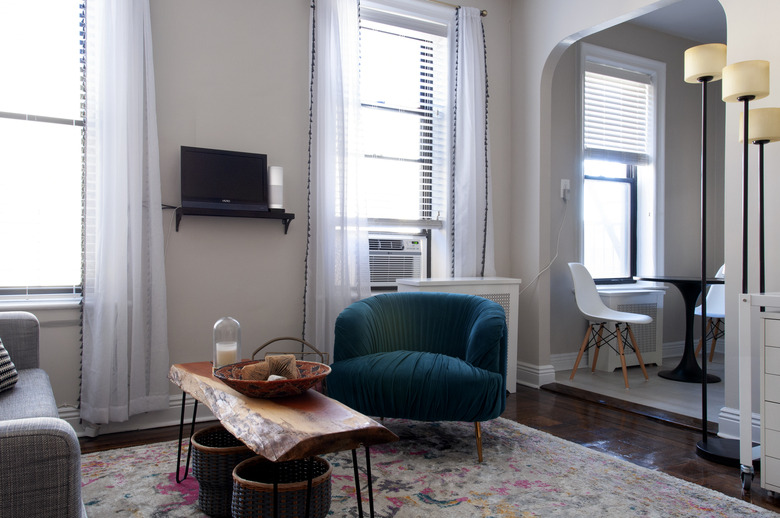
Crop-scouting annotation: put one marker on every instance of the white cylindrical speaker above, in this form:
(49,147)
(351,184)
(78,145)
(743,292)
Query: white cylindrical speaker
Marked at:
(275,187)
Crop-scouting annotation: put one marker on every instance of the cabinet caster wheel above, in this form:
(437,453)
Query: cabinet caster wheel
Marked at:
(747,480)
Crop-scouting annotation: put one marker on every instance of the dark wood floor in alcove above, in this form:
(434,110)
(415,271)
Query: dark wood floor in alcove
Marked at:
(645,437)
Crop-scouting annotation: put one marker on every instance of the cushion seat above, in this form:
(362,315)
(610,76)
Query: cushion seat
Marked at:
(413,385)
(31,397)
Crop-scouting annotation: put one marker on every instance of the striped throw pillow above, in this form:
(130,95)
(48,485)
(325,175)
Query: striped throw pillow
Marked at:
(8,374)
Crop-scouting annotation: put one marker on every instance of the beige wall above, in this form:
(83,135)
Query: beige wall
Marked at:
(680,190)
(235,75)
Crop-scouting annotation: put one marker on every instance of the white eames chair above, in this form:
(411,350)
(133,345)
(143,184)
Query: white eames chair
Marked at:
(716,313)
(599,316)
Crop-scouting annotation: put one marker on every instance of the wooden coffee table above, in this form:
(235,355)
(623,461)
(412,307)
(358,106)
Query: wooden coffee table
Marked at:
(281,429)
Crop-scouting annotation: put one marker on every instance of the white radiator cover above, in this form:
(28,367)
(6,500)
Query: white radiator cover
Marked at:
(504,291)
(649,337)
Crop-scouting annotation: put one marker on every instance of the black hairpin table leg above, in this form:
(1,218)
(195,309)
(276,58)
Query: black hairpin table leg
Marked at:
(181,433)
(357,484)
(370,483)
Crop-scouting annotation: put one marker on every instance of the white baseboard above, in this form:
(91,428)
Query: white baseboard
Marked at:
(169,417)
(565,361)
(534,376)
(728,424)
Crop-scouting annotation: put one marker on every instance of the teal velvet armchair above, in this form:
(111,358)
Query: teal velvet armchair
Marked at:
(422,356)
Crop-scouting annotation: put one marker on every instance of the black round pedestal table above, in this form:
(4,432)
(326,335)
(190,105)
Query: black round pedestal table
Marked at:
(688,369)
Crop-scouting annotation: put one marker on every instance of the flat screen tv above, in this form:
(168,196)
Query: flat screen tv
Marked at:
(216,182)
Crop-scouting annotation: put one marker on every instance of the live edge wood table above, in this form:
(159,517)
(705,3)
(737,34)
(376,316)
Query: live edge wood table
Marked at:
(282,429)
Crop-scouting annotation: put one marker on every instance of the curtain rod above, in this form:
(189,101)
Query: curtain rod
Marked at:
(482,13)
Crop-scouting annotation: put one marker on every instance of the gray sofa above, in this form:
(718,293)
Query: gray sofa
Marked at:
(40,457)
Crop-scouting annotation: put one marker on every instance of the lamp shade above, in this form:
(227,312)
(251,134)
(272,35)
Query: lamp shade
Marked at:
(705,61)
(763,125)
(746,78)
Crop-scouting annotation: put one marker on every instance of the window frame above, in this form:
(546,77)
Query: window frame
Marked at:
(59,294)
(649,202)
(434,20)
(631,180)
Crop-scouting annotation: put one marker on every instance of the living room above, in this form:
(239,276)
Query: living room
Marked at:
(234,75)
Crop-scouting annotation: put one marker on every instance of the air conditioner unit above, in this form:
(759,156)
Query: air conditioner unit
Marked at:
(394,256)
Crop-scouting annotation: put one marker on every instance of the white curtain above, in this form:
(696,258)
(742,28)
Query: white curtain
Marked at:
(471,216)
(339,240)
(125,355)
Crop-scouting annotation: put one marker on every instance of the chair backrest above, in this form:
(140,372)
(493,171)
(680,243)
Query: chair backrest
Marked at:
(716,296)
(587,296)
(442,323)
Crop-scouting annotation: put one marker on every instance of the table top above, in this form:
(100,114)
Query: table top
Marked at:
(280,429)
(679,278)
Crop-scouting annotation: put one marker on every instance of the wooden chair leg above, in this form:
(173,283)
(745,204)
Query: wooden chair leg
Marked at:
(620,352)
(598,348)
(582,351)
(637,352)
(478,432)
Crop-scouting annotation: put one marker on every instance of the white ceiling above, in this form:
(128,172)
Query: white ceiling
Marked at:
(699,20)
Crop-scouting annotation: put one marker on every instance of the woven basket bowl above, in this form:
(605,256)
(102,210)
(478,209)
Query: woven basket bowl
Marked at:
(311,373)
(253,488)
(215,454)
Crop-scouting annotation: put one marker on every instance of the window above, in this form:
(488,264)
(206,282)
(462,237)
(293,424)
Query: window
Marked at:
(41,124)
(403,78)
(621,103)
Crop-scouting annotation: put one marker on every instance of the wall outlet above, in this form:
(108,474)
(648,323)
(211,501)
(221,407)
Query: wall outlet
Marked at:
(565,188)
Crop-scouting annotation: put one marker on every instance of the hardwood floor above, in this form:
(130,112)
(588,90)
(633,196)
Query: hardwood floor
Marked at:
(650,439)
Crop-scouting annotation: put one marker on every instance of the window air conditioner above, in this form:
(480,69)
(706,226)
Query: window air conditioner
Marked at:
(394,256)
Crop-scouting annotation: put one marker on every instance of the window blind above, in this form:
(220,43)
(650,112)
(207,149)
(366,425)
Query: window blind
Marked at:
(404,119)
(617,107)
(41,166)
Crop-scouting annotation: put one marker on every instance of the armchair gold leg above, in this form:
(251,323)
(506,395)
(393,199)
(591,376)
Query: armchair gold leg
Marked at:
(478,432)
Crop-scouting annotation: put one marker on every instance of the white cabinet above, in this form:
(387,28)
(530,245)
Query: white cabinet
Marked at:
(770,401)
(502,290)
(649,337)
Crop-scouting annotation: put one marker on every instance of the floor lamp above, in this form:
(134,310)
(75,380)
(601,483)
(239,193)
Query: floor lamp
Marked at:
(742,82)
(764,128)
(704,64)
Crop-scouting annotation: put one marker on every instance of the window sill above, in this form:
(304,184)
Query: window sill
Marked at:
(42,303)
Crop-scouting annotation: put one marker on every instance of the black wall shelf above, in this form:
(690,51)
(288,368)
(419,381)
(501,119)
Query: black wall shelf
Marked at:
(286,217)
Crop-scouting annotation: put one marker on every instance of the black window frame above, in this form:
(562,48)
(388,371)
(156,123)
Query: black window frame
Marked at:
(631,180)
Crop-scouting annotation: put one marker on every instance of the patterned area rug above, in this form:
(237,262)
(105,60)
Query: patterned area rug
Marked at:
(433,471)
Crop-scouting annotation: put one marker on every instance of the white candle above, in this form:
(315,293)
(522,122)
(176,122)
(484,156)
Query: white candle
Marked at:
(226,353)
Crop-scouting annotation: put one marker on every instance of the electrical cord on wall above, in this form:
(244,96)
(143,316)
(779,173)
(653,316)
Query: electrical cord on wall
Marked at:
(557,246)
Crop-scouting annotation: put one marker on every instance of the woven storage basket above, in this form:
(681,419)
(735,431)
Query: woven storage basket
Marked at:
(215,453)
(253,488)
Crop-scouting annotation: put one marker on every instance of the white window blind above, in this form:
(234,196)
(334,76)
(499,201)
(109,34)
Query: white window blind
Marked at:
(41,163)
(617,115)
(403,78)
